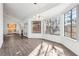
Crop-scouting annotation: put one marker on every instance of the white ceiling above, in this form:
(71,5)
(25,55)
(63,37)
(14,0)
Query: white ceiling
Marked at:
(26,10)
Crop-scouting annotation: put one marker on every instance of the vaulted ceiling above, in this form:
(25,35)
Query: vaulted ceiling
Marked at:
(26,10)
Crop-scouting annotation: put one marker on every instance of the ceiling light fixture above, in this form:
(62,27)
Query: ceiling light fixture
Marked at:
(34,3)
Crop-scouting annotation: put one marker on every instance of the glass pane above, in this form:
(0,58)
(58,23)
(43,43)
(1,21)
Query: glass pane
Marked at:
(52,23)
(68,30)
(74,23)
(70,24)
(47,27)
(73,31)
(56,26)
(67,25)
(74,15)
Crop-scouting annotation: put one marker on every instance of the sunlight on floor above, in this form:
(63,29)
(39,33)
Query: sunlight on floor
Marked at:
(46,49)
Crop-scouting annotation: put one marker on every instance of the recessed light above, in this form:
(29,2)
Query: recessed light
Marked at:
(35,3)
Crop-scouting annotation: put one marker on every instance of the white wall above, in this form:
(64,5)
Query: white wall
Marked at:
(9,19)
(1,24)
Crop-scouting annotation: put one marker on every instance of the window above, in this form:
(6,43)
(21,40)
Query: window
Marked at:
(74,23)
(56,28)
(70,23)
(52,26)
(48,21)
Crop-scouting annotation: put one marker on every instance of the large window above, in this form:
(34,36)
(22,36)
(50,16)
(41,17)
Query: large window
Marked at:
(70,23)
(52,26)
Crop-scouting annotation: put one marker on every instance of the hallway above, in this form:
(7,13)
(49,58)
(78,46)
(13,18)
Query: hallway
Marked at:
(15,46)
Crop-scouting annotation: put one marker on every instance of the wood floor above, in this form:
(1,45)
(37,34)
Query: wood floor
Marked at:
(14,45)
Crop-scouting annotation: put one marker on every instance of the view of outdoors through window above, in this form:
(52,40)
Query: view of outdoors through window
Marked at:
(52,26)
(70,23)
